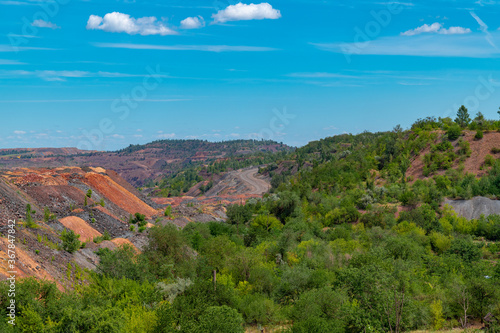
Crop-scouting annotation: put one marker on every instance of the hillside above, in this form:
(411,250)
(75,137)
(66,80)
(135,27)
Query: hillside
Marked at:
(94,203)
(139,164)
(354,234)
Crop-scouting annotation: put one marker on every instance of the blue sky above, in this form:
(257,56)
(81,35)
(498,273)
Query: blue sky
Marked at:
(105,74)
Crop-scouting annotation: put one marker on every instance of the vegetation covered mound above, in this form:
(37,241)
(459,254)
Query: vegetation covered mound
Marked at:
(346,241)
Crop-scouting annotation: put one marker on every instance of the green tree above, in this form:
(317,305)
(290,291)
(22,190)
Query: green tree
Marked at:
(463,117)
(30,222)
(266,223)
(221,319)
(454,132)
(238,214)
(70,240)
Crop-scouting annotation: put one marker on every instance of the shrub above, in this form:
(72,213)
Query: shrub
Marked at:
(489,161)
(168,211)
(495,150)
(479,135)
(138,219)
(464,148)
(47,216)
(221,319)
(70,241)
(465,249)
(454,132)
(106,235)
(30,223)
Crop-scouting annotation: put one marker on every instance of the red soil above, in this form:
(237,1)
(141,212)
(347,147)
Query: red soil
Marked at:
(80,227)
(473,164)
(25,266)
(123,241)
(118,194)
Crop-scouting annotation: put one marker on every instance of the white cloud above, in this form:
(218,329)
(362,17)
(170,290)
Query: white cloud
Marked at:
(433,28)
(44,24)
(455,31)
(118,22)
(193,23)
(322,75)
(19,132)
(50,75)
(10,62)
(166,136)
(244,12)
(438,45)
(205,48)
(118,136)
(436,28)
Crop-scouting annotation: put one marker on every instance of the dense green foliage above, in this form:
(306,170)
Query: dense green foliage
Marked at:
(346,242)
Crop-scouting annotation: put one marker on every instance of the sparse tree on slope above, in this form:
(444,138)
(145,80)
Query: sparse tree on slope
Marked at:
(463,118)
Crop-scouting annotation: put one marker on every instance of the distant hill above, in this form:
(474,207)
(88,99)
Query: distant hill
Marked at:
(24,153)
(139,164)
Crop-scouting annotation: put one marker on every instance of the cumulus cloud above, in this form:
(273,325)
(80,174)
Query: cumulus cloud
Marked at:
(455,31)
(244,12)
(19,132)
(436,28)
(166,135)
(193,23)
(44,24)
(119,22)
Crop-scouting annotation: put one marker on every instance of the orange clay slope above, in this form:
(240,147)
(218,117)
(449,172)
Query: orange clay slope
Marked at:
(118,195)
(123,241)
(80,227)
(25,266)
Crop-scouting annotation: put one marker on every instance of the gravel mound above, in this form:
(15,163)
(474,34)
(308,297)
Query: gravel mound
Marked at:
(474,208)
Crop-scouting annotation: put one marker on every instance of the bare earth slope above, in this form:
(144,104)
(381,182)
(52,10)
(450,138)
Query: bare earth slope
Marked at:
(62,193)
(473,164)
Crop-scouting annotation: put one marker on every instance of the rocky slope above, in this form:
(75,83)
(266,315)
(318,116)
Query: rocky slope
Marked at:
(93,202)
(139,163)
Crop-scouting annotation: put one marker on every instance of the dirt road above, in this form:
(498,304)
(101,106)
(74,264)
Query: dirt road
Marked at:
(257,185)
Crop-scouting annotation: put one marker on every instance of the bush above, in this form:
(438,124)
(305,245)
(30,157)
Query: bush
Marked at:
(489,161)
(70,241)
(221,319)
(479,135)
(464,148)
(138,219)
(454,132)
(30,222)
(465,249)
(168,211)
